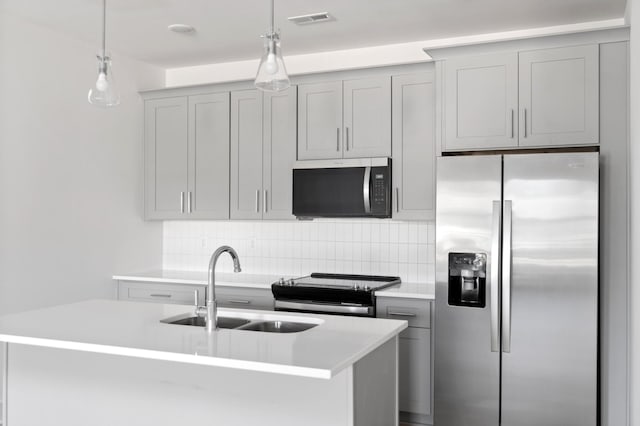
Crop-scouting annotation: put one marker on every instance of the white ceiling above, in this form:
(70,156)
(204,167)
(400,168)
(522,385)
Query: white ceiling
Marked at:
(230,30)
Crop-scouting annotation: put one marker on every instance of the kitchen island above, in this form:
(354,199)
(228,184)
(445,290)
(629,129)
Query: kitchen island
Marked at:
(111,362)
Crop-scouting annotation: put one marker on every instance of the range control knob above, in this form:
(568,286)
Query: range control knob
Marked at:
(356,286)
(366,288)
(290,282)
(281,281)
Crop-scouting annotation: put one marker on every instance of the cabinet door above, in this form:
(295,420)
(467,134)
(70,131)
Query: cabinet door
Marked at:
(320,121)
(414,150)
(152,292)
(244,298)
(414,375)
(166,161)
(208,196)
(279,153)
(246,155)
(559,96)
(367,117)
(481,102)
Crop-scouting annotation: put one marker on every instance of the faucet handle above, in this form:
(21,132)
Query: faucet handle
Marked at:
(201,311)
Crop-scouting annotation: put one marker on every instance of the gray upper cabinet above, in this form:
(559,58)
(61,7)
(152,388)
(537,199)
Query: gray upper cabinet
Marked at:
(559,96)
(414,146)
(166,162)
(263,150)
(246,154)
(208,189)
(320,121)
(187,157)
(367,117)
(279,153)
(350,119)
(481,102)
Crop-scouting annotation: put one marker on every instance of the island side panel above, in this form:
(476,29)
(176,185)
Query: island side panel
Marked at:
(375,387)
(78,388)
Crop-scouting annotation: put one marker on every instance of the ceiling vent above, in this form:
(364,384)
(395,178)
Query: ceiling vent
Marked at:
(311,19)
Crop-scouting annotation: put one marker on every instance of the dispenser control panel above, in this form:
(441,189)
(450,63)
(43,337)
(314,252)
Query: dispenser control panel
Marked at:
(467,279)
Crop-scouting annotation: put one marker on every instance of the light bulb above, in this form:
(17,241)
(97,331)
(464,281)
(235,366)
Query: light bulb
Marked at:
(271,66)
(102,84)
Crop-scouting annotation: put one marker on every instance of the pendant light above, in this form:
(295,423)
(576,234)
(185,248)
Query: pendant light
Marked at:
(104,93)
(272,74)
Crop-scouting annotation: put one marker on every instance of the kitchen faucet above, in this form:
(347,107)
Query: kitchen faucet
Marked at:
(210,310)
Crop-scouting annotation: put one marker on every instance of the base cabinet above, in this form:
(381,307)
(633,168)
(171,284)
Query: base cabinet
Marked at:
(415,360)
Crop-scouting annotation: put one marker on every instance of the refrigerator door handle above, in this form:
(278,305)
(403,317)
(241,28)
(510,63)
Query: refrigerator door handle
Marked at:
(506,278)
(495,277)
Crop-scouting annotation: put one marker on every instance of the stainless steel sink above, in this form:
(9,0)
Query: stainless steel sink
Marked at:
(223,322)
(277,326)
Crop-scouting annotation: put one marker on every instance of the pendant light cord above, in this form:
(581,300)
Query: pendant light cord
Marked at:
(272,30)
(104,29)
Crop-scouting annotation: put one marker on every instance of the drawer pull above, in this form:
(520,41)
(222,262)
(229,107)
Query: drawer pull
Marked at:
(240,302)
(402,314)
(161,295)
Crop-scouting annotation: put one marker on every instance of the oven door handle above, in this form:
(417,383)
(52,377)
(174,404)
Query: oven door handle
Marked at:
(365,190)
(320,307)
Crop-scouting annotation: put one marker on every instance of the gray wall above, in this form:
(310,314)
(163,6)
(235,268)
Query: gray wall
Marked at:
(70,174)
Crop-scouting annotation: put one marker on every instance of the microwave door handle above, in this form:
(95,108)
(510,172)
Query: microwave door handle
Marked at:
(365,190)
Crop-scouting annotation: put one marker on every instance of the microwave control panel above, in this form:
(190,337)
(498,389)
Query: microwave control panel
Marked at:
(380,191)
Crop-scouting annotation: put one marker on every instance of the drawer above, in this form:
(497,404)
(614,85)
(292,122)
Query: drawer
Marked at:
(232,297)
(161,293)
(416,312)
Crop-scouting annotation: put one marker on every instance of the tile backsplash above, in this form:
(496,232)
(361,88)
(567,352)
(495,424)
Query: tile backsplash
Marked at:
(381,247)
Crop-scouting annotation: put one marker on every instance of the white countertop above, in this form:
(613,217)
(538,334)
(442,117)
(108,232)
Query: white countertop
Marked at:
(404,290)
(200,278)
(134,329)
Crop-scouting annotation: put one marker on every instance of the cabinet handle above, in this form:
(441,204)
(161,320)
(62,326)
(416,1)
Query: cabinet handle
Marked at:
(166,296)
(402,314)
(512,124)
(258,201)
(525,123)
(196,299)
(397,200)
(182,202)
(265,201)
(189,202)
(239,302)
(347,137)
(338,139)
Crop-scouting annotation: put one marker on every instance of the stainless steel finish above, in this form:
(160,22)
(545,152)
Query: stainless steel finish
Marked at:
(322,307)
(189,205)
(467,381)
(239,302)
(338,139)
(512,124)
(257,201)
(210,310)
(168,296)
(402,314)
(199,321)
(506,277)
(278,326)
(265,201)
(550,376)
(495,276)
(182,202)
(342,163)
(347,137)
(397,199)
(365,190)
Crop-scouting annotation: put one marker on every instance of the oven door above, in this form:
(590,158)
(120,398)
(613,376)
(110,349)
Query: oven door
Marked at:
(342,188)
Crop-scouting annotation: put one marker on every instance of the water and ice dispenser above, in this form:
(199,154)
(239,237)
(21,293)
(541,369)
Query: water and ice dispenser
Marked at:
(467,279)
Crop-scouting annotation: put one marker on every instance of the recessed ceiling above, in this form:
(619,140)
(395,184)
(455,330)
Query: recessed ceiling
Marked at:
(230,31)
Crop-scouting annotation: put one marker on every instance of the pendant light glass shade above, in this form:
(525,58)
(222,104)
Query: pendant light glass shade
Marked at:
(104,93)
(272,74)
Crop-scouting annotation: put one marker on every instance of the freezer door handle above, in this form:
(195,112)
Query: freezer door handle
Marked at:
(495,277)
(506,277)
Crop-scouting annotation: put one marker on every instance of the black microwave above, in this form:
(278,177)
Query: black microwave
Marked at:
(357,187)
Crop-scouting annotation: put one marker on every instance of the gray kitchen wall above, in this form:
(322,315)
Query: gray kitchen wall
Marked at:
(70,173)
(366,246)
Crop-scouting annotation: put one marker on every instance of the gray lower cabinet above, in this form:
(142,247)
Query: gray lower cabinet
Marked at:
(263,150)
(187,157)
(188,294)
(414,146)
(415,356)
(345,119)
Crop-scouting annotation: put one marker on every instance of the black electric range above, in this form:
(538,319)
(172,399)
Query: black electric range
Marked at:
(339,294)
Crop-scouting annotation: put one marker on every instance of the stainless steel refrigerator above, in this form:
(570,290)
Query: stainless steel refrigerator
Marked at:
(516,309)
